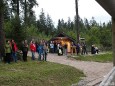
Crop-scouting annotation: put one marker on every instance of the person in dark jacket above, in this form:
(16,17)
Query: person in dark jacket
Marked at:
(93,49)
(78,48)
(84,50)
(45,51)
(24,50)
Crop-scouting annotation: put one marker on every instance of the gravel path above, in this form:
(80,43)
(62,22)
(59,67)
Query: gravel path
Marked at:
(94,71)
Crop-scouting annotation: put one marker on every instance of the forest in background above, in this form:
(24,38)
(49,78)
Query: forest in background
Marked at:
(21,23)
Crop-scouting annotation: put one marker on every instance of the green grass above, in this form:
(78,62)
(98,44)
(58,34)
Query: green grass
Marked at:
(105,57)
(34,73)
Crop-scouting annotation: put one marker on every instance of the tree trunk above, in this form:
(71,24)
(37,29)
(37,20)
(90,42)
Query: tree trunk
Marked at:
(77,20)
(2,35)
(18,7)
(18,36)
(25,13)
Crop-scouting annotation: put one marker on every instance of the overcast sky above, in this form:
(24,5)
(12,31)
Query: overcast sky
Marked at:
(58,9)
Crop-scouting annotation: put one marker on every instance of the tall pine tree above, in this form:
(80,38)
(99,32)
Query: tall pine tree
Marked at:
(2,35)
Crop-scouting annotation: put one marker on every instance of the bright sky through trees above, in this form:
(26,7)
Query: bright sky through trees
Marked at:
(58,9)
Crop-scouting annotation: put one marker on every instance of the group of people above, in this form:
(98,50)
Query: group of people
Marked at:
(79,48)
(11,50)
(82,48)
(94,49)
(57,47)
(62,49)
(41,48)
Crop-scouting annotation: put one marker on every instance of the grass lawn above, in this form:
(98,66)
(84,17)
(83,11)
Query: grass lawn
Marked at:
(105,57)
(34,73)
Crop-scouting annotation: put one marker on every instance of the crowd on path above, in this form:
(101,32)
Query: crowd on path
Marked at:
(42,48)
(11,50)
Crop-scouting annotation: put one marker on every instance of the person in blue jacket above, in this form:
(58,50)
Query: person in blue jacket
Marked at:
(40,51)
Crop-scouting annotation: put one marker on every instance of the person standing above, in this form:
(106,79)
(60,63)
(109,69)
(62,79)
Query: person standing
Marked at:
(84,50)
(45,51)
(52,47)
(7,51)
(14,50)
(78,48)
(65,49)
(93,49)
(33,49)
(40,51)
(60,50)
(25,50)
(55,47)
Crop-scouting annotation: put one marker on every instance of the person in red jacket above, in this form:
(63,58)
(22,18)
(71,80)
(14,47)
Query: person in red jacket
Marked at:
(14,50)
(33,49)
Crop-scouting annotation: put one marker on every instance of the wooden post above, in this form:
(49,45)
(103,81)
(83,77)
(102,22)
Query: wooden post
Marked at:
(77,20)
(113,40)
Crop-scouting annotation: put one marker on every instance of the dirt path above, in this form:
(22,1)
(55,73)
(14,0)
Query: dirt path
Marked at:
(94,71)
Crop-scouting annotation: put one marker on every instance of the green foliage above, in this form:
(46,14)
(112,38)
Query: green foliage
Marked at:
(32,30)
(17,31)
(8,29)
(93,33)
(38,74)
(106,37)
(71,34)
(33,33)
(93,40)
(42,22)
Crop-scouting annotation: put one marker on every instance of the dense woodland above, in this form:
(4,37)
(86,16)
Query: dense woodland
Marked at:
(18,22)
